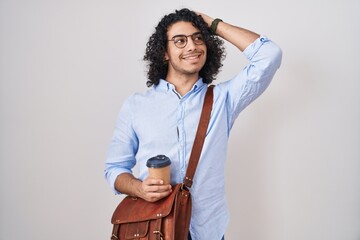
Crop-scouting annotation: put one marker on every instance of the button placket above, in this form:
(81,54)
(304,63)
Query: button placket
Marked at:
(181,137)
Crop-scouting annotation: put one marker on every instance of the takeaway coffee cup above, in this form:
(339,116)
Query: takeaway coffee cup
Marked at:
(159,167)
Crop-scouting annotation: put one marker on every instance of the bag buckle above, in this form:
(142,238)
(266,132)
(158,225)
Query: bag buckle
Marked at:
(114,237)
(160,234)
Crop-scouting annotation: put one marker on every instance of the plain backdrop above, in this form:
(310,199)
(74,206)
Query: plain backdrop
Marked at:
(293,170)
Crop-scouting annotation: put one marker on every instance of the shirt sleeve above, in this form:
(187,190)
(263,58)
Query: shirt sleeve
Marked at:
(264,59)
(123,147)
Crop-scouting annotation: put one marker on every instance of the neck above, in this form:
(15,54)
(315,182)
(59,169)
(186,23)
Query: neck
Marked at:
(183,84)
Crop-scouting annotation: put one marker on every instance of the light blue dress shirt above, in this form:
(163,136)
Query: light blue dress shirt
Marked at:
(160,121)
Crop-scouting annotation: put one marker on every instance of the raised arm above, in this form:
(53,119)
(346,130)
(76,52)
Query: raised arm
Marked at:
(264,58)
(238,36)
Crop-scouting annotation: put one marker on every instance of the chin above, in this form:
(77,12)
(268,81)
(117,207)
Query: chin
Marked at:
(195,69)
(192,72)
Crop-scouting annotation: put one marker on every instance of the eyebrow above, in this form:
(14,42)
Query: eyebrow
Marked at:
(180,35)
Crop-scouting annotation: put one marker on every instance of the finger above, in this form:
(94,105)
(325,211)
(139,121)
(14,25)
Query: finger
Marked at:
(153,197)
(158,188)
(153,181)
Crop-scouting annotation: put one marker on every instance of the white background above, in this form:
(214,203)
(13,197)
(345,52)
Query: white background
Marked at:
(293,170)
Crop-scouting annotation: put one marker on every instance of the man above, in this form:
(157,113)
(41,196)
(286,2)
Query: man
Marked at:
(184,56)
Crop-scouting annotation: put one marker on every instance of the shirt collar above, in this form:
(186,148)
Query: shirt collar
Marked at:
(166,86)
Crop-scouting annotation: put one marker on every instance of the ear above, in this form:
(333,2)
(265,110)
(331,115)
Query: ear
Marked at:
(166,57)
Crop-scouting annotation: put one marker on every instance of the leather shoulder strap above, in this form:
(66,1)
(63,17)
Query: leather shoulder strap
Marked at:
(199,137)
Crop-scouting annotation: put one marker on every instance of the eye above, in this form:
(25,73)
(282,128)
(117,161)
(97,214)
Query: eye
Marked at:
(198,37)
(180,40)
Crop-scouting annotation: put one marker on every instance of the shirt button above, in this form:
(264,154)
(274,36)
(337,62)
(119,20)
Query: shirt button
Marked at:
(262,39)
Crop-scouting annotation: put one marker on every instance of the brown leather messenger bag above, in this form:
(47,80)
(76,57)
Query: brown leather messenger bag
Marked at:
(168,218)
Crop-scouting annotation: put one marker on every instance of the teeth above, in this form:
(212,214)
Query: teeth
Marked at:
(191,57)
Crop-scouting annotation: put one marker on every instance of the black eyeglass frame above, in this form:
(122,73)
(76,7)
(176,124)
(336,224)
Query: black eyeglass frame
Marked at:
(193,38)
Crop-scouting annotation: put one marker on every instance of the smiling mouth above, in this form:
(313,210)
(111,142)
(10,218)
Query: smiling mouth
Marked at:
(192,56)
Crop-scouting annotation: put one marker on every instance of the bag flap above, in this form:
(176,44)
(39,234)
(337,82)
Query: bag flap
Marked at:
(136,230)
(133,209)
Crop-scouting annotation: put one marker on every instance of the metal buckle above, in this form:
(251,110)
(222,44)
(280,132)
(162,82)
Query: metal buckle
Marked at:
(114,237)
(161,235)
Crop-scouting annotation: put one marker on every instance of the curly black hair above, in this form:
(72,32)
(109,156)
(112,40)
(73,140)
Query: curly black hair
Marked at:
(157,46)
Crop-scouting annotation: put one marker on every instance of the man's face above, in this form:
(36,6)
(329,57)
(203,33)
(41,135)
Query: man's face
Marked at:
(189,59)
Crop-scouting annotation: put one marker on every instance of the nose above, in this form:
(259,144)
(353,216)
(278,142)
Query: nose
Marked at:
(190,44)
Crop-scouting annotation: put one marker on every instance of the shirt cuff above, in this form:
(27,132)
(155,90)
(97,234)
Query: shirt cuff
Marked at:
(254,47)
(111,178)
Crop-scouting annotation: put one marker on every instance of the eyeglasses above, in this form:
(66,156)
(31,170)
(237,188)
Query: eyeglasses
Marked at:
(181,41)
